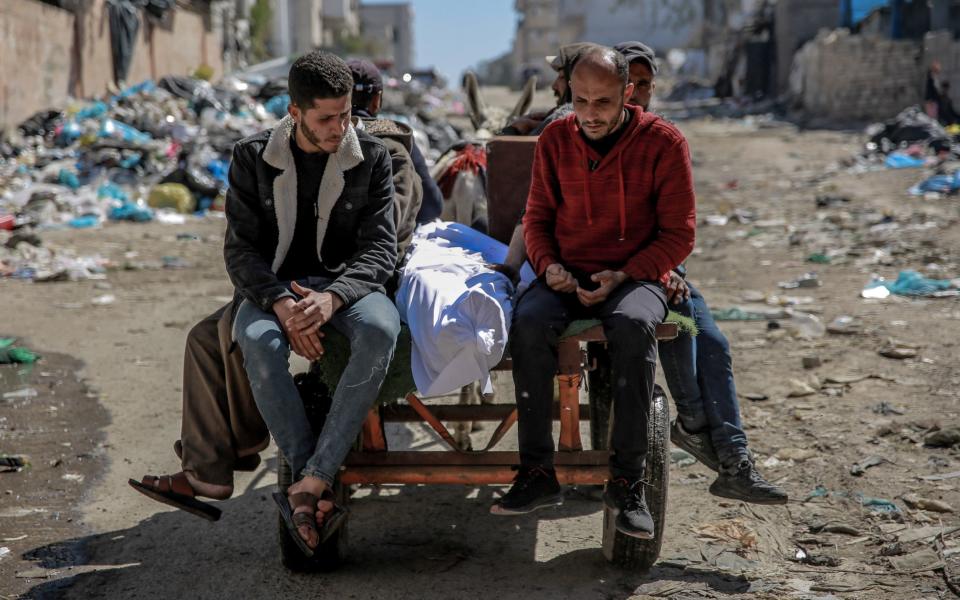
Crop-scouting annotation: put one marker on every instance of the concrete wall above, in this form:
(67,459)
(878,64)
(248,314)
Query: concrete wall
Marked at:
(796,22)
(843,76)
(35,64)
(48,54)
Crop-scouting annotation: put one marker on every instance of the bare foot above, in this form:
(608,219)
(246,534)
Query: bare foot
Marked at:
(316,487)
(209,490)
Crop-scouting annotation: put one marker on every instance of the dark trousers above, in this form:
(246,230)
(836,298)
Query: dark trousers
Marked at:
(630,317)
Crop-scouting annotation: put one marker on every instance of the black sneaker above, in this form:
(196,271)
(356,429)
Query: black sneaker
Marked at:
(533,488)
(743,482)
(697,444)
(625,497)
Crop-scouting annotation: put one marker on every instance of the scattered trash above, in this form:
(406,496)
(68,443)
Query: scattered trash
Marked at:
(941,477)
(898,350)
(681,458)
(14,355)
(827,201)
(730,530)
(800,389)
(921,560)
(834,528)
(21,394)
(12,464)
(885,408)
(807,280)
(804,325)
(844,325)
(104,300)
(811,362)
(821,560)
(902,160)
(919,534)
(858,469)
(892,549)
(911,283)
(795,454)
(944,438)
(918,503)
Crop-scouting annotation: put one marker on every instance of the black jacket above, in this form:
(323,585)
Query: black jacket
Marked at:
(356,234)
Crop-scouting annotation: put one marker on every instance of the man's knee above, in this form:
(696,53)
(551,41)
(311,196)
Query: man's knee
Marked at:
(636,332)
(529,331)
(378,330)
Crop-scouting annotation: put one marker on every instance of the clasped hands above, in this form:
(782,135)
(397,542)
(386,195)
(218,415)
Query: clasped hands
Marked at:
(302,319)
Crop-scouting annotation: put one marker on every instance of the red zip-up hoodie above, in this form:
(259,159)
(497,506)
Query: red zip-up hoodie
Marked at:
(635,212)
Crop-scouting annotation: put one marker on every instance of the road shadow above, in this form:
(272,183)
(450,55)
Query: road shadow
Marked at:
(405,542)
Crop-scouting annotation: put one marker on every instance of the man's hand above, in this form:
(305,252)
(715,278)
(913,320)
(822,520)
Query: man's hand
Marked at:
(608,280)
(313,311)
(677,289)
(308,346)
(560,280)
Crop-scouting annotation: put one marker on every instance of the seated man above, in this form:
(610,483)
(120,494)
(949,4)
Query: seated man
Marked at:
(610,213)
(222,430)
(367,101)
(310,216)
(562,63)
(699,372)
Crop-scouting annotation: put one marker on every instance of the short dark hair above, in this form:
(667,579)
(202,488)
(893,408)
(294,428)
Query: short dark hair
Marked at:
(318,75)
(604,59)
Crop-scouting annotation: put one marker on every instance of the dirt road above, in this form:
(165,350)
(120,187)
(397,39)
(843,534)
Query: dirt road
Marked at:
(419,542)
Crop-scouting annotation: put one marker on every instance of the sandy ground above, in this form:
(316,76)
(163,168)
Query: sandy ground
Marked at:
(439,542)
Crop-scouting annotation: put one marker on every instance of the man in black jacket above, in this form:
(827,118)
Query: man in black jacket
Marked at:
(311,240)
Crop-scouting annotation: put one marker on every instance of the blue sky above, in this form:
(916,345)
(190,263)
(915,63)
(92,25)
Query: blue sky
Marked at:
(453,35)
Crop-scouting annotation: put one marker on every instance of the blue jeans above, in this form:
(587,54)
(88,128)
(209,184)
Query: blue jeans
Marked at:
(372,325)
(699,373)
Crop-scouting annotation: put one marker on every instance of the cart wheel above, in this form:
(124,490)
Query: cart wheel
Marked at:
(331,553)
(600,395)
(630,552)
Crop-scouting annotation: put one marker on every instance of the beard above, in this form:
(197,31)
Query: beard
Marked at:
(312,136)
(605,127)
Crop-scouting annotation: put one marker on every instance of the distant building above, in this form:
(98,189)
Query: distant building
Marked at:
(389,27)
(545,25)
(341,19)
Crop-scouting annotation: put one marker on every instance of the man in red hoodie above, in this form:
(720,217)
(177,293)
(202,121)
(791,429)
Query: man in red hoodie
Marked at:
(611,211)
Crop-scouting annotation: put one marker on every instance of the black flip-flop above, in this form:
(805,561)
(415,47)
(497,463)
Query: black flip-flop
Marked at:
(181,501)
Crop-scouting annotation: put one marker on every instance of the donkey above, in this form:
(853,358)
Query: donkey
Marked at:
(461,175)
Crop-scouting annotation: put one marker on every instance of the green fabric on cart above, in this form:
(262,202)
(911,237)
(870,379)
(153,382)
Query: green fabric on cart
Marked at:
(685,324)
(399,380)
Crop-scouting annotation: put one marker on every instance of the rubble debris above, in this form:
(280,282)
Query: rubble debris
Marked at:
(944,438)
(858,469)
(916,502)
